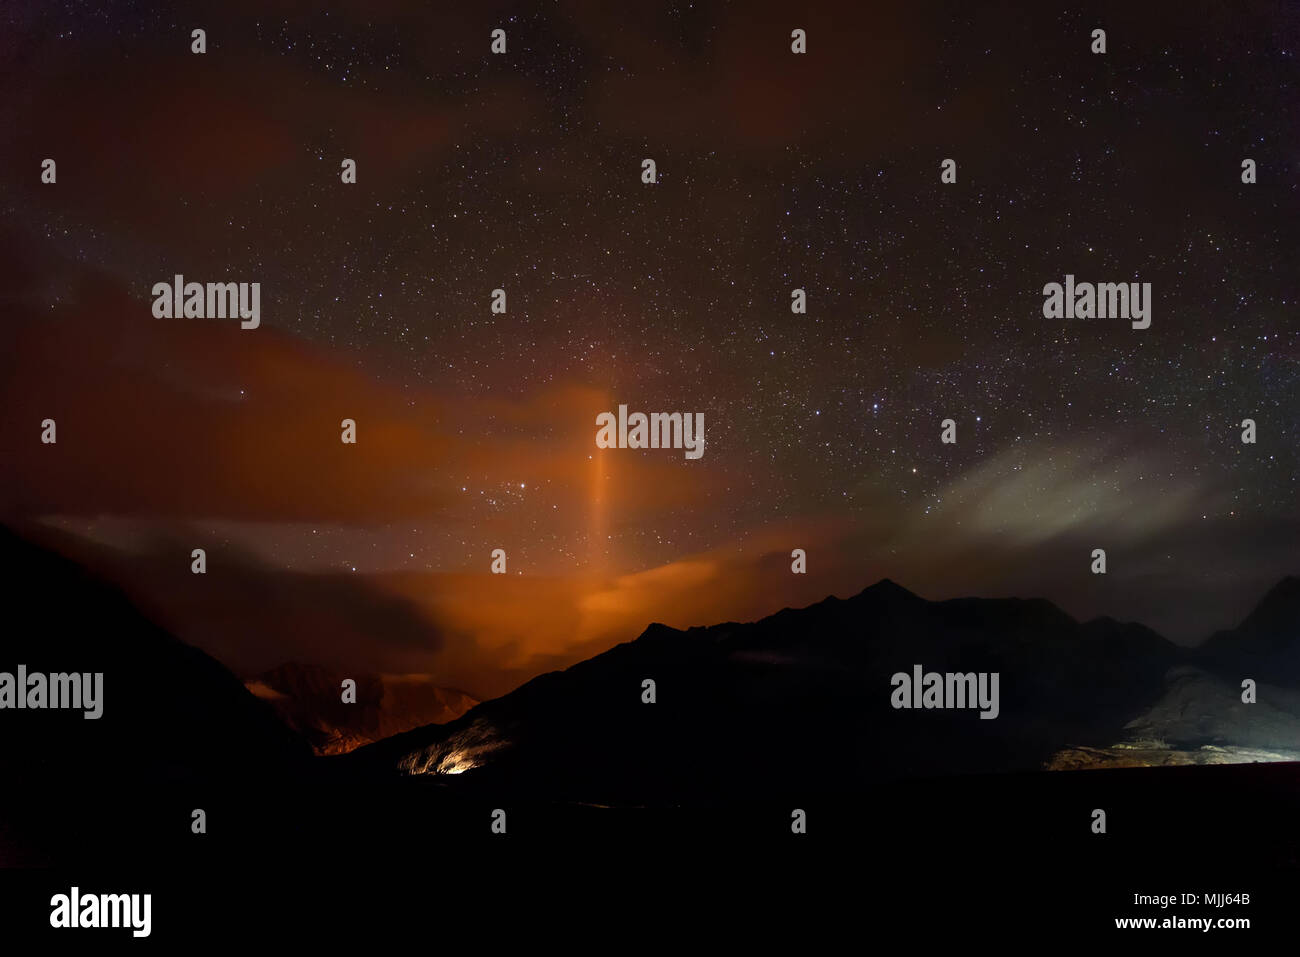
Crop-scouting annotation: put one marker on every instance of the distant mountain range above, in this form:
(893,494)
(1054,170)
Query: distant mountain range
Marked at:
(309,700)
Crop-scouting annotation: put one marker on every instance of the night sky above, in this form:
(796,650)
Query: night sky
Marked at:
(523,171)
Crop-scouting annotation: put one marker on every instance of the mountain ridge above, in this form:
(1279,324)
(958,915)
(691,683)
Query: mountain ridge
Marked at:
(816,678)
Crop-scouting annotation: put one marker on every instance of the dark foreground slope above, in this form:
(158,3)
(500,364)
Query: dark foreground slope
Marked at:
(178,730)
(982,859)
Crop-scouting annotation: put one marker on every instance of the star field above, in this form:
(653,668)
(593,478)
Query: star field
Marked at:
(819,172)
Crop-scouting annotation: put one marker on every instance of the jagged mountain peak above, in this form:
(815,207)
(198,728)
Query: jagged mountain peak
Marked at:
(1278,610)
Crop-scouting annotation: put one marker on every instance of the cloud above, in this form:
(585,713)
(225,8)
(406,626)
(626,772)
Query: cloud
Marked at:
(252,616)
(1027,494)
(200,420)
(194,419)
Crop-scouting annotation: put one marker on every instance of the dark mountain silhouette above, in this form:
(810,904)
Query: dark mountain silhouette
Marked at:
(799,700)
(174,720)
(308,699)
(164,701)
(1266,645)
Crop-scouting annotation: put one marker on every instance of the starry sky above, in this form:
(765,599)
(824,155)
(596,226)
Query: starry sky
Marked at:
(522,171)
